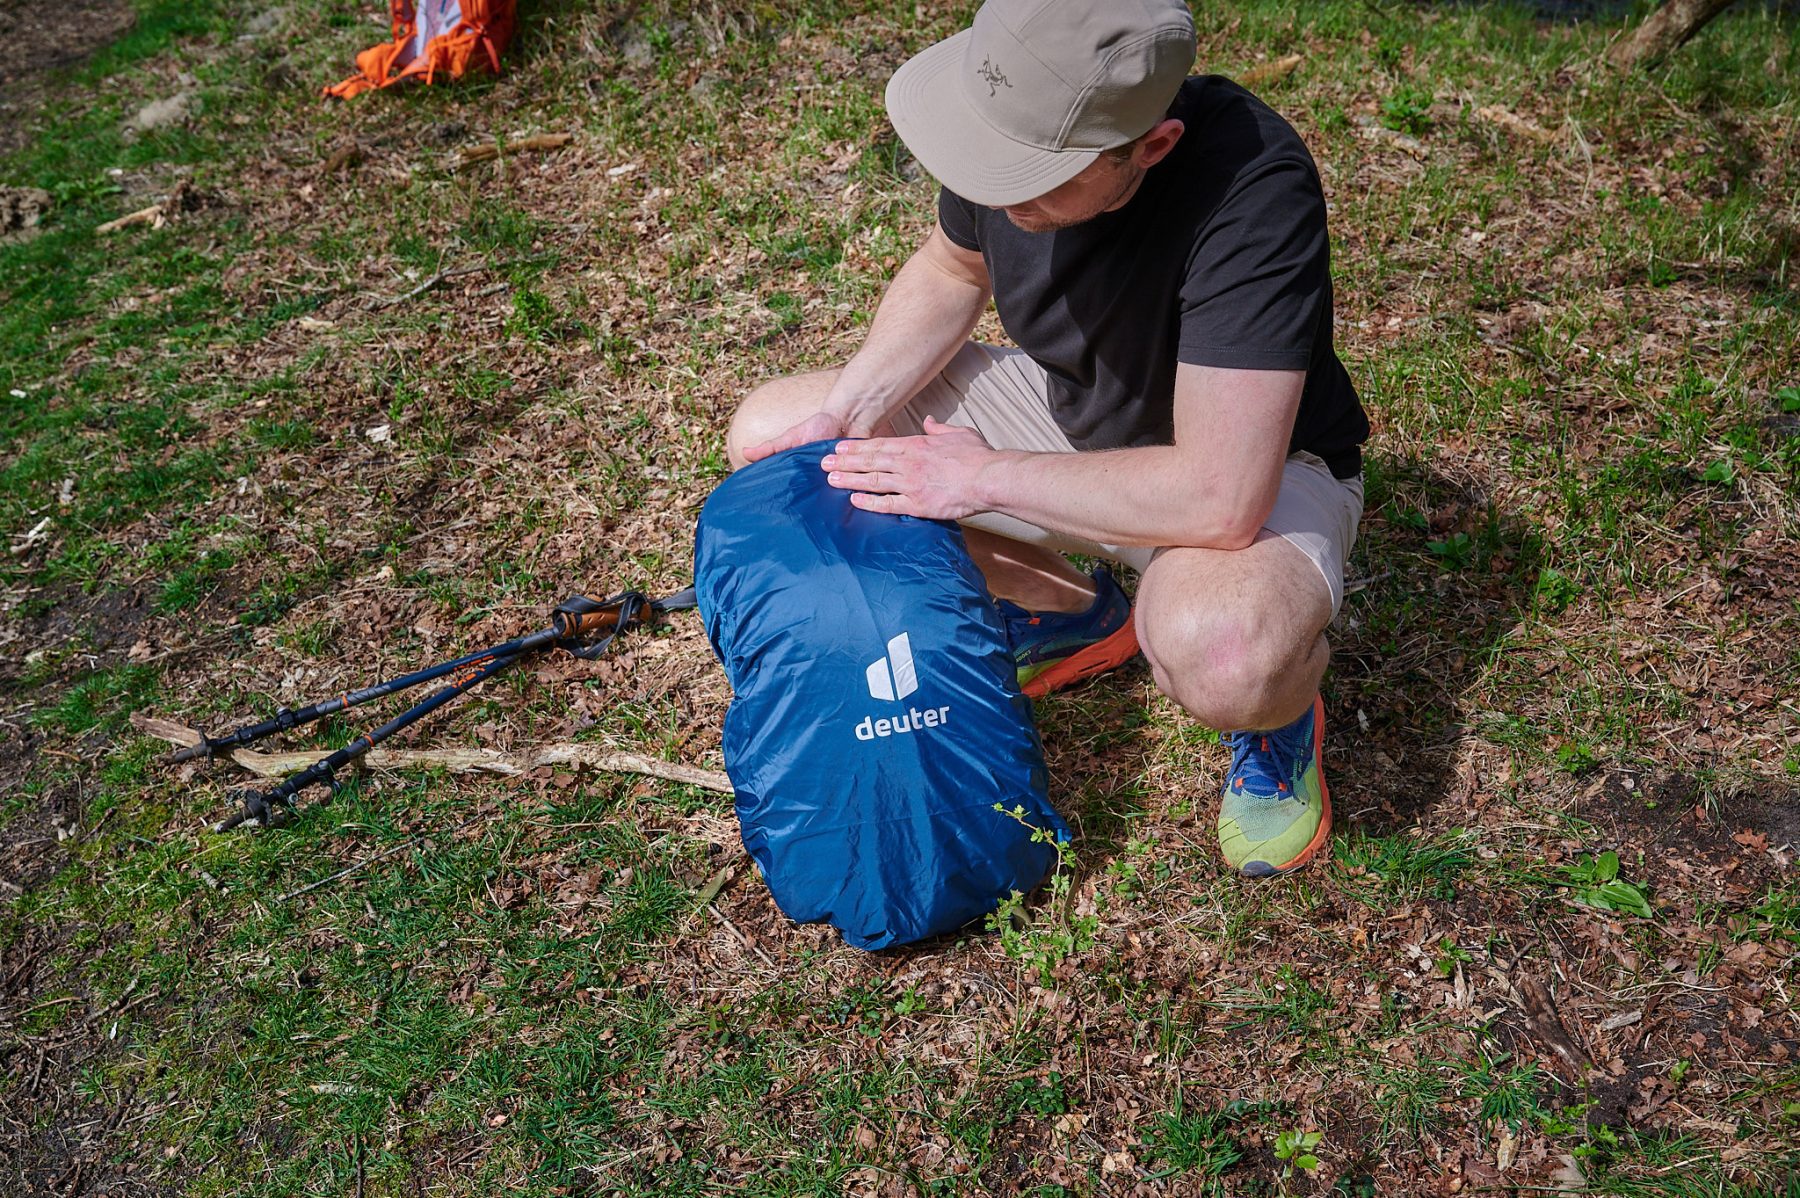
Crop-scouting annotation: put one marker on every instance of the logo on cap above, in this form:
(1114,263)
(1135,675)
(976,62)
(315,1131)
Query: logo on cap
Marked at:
(992,76)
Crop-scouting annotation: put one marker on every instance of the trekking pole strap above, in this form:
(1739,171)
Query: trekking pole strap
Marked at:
(580,618)
(685,599)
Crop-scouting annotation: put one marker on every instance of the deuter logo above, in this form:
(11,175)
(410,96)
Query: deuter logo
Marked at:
(892,677)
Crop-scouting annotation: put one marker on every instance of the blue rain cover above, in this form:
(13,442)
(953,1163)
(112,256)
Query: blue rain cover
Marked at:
(877,717)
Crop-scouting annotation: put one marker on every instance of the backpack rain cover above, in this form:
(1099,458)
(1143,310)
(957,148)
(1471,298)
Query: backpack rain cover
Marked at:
(877,717)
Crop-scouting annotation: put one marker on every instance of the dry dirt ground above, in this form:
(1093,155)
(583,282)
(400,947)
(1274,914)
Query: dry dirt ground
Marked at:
(36,38)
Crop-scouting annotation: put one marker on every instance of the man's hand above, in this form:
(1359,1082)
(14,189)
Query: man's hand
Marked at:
(820,426)
(933,476)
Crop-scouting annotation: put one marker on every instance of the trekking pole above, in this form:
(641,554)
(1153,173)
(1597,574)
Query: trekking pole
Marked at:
(573,628)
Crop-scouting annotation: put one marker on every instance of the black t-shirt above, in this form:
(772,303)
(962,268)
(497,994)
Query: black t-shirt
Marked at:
(1219,259)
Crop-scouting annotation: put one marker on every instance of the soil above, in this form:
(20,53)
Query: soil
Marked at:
(37,37)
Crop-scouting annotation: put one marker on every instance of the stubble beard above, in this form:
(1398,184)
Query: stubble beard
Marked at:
(1051,224)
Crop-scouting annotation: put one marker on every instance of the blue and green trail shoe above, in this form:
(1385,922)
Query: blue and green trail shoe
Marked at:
(1058,649)
(1275,814)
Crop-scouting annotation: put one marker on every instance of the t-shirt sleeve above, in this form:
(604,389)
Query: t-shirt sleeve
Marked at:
(956,216)
(1260,277)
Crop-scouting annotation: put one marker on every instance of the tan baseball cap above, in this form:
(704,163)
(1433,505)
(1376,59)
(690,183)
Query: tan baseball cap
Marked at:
(1035,90)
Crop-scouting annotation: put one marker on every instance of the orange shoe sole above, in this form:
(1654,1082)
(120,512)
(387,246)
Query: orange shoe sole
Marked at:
(1097,658)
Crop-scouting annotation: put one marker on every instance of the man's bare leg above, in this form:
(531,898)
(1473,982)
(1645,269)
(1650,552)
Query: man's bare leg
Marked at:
(774,408)
(1037,579)
(1236,637)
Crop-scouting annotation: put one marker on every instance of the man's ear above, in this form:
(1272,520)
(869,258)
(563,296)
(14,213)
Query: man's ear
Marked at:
(1155,145)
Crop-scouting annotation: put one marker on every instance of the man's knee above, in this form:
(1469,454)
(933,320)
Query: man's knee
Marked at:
(1228,655)
(773,408)
(757,418)
(1217,665)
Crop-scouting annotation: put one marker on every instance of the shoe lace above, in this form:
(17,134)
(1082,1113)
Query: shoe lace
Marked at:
(1262,762)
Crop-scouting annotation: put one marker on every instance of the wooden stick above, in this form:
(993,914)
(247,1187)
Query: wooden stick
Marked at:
(1269,72)
(390,300)
(471,155)
(459,761)
(1506,119)
(143,216)
(741,938)
(1367,127)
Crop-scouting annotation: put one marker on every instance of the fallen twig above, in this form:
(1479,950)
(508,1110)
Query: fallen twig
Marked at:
(116,1004)
(471,155)
(185,198)
(1368,128)
(442,275)
(1270,72)
(428,284)
(31,959)
(1362,584)
(143,216)
(461,761)
(742,939)
(1493,114)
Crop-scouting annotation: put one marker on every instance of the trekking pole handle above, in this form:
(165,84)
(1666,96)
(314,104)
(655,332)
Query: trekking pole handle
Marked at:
(580,617)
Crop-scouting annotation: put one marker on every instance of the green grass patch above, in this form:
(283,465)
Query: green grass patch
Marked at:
(1402,865)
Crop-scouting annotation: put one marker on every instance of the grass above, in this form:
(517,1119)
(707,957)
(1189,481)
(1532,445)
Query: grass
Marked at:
(1195,1143)
(1378,868)
(1580,353)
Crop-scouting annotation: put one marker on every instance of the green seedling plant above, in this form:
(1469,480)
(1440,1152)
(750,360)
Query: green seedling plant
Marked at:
(1555,590)
(1295,1150)
(1454,552)
(1593,881)
(1044,943)
(1453,955)
(1045,1099)
(1407,110)
(1576,759)
(1597,884)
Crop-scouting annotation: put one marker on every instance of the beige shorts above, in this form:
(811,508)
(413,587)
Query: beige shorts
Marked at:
(1002,394)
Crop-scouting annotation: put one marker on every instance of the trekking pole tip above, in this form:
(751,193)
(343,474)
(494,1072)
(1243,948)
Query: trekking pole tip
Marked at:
(255,810)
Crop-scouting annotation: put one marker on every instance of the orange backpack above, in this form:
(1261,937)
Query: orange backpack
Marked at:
(436,35)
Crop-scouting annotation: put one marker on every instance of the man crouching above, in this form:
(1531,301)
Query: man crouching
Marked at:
(1155,245)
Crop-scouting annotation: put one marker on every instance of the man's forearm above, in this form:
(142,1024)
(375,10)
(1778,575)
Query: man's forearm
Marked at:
(1212,488)
(1154,495)
(926,315)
